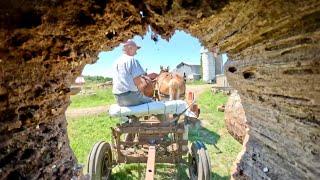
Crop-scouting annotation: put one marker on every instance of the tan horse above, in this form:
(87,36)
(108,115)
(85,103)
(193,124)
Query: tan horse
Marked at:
(170,86)
(163,86)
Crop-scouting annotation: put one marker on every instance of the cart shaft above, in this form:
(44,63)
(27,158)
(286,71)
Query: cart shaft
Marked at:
(151,163)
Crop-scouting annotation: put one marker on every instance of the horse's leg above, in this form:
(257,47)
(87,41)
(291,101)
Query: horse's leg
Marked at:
(178,94)
(157,88)
(173,89)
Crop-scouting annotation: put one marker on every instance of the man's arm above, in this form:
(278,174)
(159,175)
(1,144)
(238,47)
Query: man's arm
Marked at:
(138,75)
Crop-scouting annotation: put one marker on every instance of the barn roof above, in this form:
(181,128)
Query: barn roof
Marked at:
(187,64)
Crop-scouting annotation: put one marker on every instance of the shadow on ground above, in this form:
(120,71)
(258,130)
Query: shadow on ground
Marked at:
(163,171)
(199,133)
(215,176)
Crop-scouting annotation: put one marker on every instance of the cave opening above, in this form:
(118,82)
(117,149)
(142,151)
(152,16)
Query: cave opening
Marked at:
(87,115)
(274,64)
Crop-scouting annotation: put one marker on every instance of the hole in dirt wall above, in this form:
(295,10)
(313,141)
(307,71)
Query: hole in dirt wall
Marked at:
(86,115)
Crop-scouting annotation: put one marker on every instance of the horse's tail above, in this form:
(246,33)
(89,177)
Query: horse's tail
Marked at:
(174,90)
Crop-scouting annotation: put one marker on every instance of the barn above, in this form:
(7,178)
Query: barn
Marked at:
(192,71)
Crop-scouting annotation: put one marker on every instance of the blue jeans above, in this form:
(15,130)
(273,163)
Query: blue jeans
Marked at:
(132,98)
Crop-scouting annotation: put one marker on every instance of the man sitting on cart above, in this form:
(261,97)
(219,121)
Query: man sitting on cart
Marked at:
(127,73)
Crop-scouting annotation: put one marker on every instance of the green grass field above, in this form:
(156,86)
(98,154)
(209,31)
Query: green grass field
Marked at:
(99,98)
(85,131)
(223,149)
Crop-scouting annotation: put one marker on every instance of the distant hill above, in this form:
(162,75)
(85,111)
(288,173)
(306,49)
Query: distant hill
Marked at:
(96,79)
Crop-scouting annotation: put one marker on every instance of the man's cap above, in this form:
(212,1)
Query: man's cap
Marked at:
(130,43)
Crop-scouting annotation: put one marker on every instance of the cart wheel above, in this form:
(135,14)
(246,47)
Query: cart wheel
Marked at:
(91,154)
(199,162)
(205,160)
(100,161)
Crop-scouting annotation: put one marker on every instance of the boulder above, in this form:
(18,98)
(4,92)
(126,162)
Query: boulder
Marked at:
(235,117)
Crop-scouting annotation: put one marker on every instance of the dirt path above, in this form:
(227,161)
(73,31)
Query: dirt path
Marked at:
(77,112)
(198,89)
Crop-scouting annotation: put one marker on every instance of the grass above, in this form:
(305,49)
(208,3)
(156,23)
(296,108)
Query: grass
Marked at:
(223,149)
(100,97)
(196,82)
(84,131)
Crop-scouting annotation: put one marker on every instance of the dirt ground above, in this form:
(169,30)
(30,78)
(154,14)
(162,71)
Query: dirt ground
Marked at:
(76,112)
(198,89)
(71,113)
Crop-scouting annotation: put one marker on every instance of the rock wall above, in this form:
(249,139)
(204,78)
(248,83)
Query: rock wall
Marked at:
(281,101)
(274,52)
(235,117)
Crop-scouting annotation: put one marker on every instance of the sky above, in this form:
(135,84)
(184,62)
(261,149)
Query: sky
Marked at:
(182,47)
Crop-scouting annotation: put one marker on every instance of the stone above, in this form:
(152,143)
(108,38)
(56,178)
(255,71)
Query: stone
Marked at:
(221,108)
(235,117)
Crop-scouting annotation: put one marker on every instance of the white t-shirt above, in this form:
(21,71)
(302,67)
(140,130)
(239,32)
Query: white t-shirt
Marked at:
(125,69)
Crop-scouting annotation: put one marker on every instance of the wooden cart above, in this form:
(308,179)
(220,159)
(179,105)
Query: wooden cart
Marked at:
(149,139)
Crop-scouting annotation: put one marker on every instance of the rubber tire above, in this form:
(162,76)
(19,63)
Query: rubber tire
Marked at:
(206,163)
(195,163)
(92,154)
(199,162)
(100,154)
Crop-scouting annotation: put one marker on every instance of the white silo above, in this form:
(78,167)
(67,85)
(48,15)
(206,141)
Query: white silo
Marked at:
(218,64)
(208,65)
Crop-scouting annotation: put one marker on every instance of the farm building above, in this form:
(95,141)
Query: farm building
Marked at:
(192,71)
(80,80)
(76,87)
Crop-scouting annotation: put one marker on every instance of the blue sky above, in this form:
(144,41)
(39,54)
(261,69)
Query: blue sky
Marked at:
(181,47)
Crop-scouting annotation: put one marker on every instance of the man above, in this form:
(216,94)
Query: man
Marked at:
(126,77)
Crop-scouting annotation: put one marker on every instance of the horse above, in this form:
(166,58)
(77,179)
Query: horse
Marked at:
(170,85)
(163,86)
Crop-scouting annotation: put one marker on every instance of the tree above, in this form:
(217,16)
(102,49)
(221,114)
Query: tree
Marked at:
(96,79)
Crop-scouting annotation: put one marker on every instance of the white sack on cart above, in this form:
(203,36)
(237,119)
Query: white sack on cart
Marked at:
(152,108)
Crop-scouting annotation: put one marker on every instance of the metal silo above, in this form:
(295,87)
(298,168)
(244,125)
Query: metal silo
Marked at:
(218,64)
(208,65)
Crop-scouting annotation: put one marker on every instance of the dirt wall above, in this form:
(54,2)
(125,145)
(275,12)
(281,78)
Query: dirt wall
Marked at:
(274,65)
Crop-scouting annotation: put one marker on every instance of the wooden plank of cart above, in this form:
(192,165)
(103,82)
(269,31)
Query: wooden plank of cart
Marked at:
(161,138)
